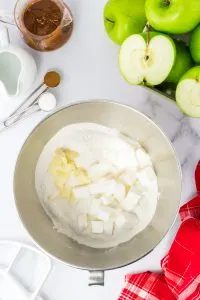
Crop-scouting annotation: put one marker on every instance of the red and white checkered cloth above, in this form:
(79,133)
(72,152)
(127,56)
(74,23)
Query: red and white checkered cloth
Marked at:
(180,278)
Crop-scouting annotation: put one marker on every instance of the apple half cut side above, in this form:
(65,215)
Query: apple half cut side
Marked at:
(188,92)
(147,58)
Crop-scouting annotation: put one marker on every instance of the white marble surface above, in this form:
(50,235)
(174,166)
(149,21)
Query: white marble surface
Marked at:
(89,67)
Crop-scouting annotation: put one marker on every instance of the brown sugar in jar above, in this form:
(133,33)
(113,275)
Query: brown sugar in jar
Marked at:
(46,24)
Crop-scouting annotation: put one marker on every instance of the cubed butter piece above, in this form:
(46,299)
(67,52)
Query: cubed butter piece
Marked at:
(108,227)
(103,187)
(143,158)
(85,160)
(130,201)
(82,222)
(146,176)
(97,226)
(82,206)
(131,220)
(120,221)
(119,192)
(82,192)
(99,170)
(106,200)
(111,211)
(128,177)
(103,214)
(95,207)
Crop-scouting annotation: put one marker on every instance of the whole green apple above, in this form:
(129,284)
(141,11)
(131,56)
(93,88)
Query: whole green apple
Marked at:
(195,44)
(123,18)
(182,63)
(147,58)
(188,92)
(173,16)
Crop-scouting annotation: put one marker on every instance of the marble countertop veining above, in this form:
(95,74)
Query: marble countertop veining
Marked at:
(89,67)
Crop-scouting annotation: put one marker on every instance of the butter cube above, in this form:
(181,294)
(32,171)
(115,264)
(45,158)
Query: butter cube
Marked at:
(97,226)
(130,201)
(103,215)
(111,211)
(85,160)
(82,192)
(146,176)
(82,206)
(128,177)
(106,200)
(119,192)
(143,158)
(120,221)
(95,207)
(131,220)
(99,170)
(108,227)
(82,222)
(103,187)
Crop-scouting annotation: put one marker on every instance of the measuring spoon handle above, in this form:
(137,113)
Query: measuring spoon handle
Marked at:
(21,115)
(25,104)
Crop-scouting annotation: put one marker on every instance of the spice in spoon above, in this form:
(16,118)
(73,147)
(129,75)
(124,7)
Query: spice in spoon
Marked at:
(52,79)
(47,102)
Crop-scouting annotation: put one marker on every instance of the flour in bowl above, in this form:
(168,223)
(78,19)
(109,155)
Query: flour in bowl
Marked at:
(97,185)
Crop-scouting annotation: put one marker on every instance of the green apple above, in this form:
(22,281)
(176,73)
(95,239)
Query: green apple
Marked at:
(188,92)
(147,58)
(195,44)
(173,16)
(182,63)
(123,18)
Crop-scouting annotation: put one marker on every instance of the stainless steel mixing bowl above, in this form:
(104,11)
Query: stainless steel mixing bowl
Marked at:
(128,121)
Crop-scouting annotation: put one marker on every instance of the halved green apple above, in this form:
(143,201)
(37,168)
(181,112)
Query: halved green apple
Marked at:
(188,92)
(147,58)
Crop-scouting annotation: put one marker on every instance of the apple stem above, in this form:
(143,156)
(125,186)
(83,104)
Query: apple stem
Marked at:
(148,27)
(167,2)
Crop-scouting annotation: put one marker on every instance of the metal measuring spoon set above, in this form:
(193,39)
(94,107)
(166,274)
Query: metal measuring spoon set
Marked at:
(45,101)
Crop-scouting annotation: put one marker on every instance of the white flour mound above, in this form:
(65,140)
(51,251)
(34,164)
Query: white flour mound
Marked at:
(104,213)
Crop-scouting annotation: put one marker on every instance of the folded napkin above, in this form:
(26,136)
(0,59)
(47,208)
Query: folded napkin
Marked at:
(180,278)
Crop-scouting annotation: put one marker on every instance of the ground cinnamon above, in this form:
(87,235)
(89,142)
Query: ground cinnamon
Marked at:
(52,79)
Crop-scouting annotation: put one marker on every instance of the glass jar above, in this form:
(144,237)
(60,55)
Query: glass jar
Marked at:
(46,25)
